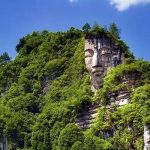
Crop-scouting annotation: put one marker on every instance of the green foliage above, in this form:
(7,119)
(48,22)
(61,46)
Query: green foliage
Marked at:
(112,80)
(77,146)
(141,97)
(68,136)
(86,28)
(27,140)
(98,31)
(113,29)
(127,121)
(11,146)
(93,142)
(25,84)
(54,134)
(4,58)
(113,34)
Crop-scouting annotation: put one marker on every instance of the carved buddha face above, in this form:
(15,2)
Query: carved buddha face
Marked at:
(94,66)
(100,56)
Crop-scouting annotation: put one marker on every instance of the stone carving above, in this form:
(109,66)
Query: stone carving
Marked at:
(101,54)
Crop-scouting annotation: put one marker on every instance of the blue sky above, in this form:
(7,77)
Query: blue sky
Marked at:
(21,17)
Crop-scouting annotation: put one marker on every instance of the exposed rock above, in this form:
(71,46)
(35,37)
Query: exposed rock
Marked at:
(119,98)
(108,133)
(87,116)
(147,137)
(122,97)
(101,54)
(46,85)
(5,91)
(130,79)
(3,143)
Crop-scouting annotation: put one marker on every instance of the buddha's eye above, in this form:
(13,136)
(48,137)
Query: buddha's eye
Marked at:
(89,53)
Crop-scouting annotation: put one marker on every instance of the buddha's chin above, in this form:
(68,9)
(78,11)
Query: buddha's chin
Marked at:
(96,80)
(97,76)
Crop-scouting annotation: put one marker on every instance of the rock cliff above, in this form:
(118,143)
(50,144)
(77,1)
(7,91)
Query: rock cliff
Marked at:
(101,54)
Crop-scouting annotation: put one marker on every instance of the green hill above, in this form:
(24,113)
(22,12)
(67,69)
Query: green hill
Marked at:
(46,86)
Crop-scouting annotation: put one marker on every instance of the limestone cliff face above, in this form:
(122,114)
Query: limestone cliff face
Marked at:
(122,97)
(119,98)
(101,54)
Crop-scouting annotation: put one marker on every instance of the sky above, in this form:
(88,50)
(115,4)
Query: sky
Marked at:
(21,17)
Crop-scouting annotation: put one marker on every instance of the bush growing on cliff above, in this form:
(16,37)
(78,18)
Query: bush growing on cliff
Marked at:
(112,80)
(68,136)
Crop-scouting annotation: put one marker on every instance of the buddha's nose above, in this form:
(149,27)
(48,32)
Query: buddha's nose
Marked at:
(96,60)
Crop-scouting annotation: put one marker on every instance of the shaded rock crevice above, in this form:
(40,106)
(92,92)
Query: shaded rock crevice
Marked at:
(86,117)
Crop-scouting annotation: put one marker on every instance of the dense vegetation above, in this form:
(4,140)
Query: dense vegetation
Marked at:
(46,85)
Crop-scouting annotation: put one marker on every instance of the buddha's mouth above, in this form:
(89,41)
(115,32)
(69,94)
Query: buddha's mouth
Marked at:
(97,71)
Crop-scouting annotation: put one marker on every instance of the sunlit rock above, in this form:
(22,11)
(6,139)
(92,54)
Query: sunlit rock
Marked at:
(146,137)
(101,54)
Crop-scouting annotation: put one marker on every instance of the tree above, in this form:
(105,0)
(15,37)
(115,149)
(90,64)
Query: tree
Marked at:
(113,29)
(47,144)
(20,44)
(86,28)
(4,58)
(98,31)
(77,146)
(68,136)
(96,28)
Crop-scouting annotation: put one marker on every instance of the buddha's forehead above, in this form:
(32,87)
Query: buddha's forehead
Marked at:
(98,45)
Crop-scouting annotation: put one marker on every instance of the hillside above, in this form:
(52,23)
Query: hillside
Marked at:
(47,85)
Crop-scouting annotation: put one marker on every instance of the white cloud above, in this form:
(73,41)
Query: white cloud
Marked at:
(122,5)
(72,1)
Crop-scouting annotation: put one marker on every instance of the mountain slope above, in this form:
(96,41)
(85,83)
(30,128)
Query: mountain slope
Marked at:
(46,87)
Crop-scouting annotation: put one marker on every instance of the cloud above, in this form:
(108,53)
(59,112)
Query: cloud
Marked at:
(122,5)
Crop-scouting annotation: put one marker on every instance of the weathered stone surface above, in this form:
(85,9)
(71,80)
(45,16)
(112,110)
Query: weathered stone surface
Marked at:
(46,85)
(85,118)
(3,143)
(130,79)
(101,54)
(119,98)
(122,97)
(147,137)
